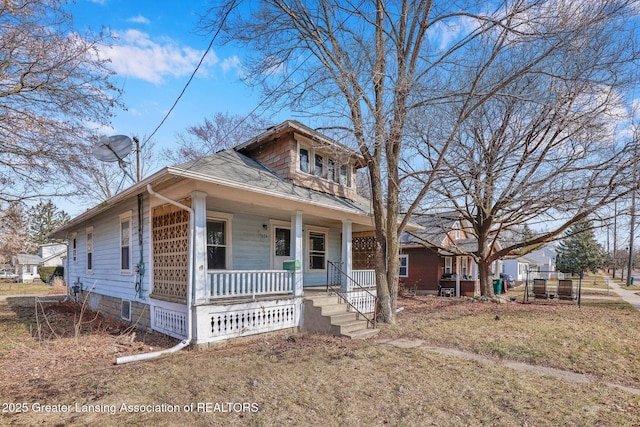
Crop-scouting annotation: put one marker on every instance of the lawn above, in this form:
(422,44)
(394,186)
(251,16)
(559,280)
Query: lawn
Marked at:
(7,287)
(317,380)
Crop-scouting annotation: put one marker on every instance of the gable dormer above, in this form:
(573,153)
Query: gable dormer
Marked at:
(306,158)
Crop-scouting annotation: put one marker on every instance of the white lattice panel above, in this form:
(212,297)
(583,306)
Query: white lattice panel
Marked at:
(170,252)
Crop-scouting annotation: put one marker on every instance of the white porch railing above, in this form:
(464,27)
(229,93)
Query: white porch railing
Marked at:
(249,283)
(365,278)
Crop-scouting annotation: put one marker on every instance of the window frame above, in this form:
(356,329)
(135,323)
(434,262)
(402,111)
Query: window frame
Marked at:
(448,263)
(464,266)
(309,248)
(226,219)
(404,257)
(74,248)
(342,172)
(90,242)
(126,217)
(308,157)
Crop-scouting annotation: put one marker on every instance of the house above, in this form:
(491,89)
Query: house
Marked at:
(49,255)
(229,245)
(538,264)
(26,266)
(436,260)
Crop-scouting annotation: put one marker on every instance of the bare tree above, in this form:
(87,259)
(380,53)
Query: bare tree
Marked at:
(14,232)
(543,150)
(53,85)
(220,132)
(370,64)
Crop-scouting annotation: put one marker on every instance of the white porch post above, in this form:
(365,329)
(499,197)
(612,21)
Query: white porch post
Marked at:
(346,253)
(199,206)
(296,251)
(458,261)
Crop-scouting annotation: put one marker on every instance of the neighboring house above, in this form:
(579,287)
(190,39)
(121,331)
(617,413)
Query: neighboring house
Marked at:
(538,264)
(49,255)
(228,244)
(53,254)
(435,259)
(26,266)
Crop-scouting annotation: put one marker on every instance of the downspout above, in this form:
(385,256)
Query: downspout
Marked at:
(187,341)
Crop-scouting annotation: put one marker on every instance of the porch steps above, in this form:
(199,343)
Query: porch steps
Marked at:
(326,314)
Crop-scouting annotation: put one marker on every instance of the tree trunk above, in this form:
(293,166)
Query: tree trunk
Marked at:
(486,283)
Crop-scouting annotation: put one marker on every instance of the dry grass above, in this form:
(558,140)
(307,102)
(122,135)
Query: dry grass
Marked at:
(10,288)
(599,338)
(316,380)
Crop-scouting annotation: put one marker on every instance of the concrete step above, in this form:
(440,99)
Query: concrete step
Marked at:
(320,300)
(328,314)
(343,327)
(362,334)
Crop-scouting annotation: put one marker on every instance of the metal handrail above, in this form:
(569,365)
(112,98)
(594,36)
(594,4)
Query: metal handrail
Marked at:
(332,267)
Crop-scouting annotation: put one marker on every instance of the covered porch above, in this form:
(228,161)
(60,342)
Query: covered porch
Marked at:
(250,265)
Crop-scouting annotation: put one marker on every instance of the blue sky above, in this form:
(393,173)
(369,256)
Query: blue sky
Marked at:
(155,51)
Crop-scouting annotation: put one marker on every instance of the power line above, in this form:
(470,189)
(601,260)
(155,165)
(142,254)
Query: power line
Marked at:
(184,89)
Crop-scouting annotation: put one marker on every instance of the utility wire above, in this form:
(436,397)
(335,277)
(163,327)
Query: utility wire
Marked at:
(282,83)
(184,89)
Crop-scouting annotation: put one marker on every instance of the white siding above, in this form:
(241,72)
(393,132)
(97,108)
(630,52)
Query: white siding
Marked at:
(106,278)
(251,243)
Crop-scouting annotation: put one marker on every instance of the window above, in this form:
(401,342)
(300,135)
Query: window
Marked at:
(404,266)
(331,171)
(125,243)
(304,160)
(90,249)
(317,250)
(319,166)
(74,247)
(283,242)
(125,310)
(344,176)
(456,231)
(465,266)
(216,245)
(448,265)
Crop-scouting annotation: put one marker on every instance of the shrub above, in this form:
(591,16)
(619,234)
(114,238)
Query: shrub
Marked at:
(48,273)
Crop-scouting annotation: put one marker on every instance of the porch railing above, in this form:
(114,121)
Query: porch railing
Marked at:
(249,283)
(358,297)
(366,278)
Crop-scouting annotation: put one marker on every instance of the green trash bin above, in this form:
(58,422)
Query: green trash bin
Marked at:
(497,286)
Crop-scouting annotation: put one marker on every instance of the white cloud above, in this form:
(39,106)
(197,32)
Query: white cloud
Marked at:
(231,63)
(139,20)
(137,55)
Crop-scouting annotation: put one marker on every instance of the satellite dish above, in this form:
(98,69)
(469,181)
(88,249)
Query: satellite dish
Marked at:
(112,148)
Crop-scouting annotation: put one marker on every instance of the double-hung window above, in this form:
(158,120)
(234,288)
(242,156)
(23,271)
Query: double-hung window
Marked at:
(125,243)
(404,266)
(219,241)
(216,245)
(90,250)
(74,247)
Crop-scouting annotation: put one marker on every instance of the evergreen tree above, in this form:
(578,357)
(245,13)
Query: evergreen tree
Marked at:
(579,251)
(44,218)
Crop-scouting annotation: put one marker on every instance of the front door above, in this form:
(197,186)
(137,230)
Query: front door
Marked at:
(281,246)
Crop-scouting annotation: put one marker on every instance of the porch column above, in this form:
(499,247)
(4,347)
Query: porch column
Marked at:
(458,262)
(296,251)
(199,206)
(346,253)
